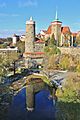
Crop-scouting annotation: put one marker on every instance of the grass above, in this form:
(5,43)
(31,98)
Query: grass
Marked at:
(68,111)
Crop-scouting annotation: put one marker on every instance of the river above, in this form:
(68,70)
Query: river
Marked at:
(44,109)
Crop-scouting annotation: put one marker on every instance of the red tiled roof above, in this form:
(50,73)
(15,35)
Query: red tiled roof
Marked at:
(39,41)
(48,30)
(65,29)
(34,53)
(74,34)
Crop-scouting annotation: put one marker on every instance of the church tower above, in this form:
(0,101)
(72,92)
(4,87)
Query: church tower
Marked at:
(30,36)
(56,30)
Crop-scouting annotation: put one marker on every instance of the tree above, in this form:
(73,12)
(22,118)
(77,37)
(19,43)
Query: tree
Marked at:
(12,57)
(51,53)
(3,66)
(69,100)
(6,60)
(64,63)
(67,39)
(21,46)
(52,41)
(77,41)
(9,39)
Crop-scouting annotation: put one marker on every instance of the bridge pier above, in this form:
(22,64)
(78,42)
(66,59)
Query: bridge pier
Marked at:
(31,90)
(30,98)
(53,94)
(35,85)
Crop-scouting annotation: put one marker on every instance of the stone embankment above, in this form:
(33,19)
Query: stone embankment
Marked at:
(18,85)
(70,50)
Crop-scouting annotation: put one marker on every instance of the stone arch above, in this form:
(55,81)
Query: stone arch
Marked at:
(34,85)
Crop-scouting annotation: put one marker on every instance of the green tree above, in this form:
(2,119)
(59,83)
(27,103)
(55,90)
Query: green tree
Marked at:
(9,39)
(52,41)
(3,45)
(21,46)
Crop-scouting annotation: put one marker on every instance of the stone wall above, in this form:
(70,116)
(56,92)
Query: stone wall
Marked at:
(39,47)
(30,38)
(68,50)
(9,53)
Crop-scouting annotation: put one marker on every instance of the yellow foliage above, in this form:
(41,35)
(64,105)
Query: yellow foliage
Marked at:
(78,68)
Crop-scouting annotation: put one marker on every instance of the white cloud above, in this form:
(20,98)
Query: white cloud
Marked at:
(12,30)
(2,5)
(28,3)
(21,30)
(9,32)
(15,15)
(6,15)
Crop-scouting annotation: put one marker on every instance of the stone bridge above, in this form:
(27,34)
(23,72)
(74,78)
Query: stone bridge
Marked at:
(34,84)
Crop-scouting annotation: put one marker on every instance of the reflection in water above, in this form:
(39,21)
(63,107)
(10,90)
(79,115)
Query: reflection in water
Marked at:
(44,109)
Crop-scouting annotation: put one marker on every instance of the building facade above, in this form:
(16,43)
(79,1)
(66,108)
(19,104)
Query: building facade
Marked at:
(62,34)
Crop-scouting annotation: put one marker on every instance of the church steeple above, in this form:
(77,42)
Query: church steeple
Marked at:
(56,17)
(56,29)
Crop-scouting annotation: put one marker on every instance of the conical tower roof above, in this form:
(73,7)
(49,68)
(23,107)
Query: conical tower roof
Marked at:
(30,21)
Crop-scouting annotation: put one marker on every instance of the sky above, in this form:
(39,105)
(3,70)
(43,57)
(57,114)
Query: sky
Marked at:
(14,13)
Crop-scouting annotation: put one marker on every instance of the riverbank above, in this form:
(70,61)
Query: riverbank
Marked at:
(68,106)
(5,100)
(14,88)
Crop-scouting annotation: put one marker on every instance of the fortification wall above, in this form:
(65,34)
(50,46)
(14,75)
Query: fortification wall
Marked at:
(73,51)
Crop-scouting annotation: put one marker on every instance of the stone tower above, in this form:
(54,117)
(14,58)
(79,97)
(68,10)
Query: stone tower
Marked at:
(30,36)
(56,29)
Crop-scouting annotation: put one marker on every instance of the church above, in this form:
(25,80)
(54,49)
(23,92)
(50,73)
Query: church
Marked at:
(62,34)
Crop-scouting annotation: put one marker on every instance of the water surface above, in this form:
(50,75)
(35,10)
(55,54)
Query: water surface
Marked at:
(44,109)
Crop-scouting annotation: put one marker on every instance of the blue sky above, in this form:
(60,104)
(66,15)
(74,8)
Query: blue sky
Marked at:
(14,13)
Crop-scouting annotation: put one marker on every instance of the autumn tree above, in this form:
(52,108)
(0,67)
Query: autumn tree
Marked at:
(78,40)
(51,53)
(6,60)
